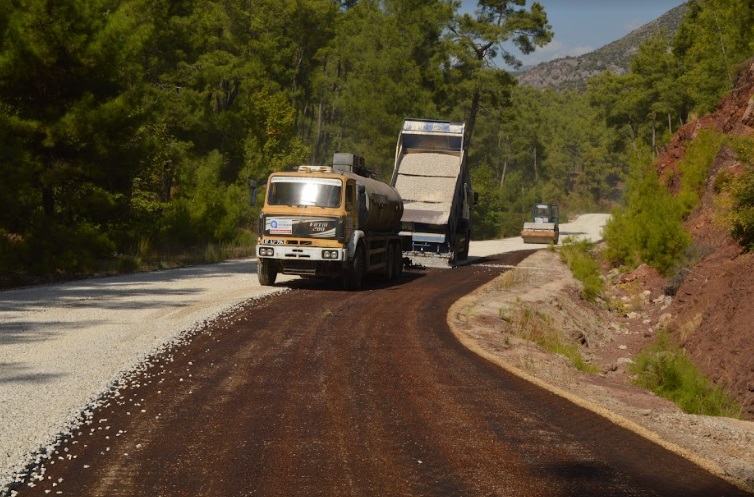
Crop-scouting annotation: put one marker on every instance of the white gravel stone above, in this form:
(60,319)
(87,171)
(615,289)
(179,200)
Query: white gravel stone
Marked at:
(64,347)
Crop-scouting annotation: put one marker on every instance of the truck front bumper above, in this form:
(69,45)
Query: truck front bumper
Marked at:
(283,252)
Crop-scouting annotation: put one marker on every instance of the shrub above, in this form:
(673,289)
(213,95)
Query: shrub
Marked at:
(693,254)
(52,247)
(650,227)
(578,255)
(743,210)
(665,368)
(695,167)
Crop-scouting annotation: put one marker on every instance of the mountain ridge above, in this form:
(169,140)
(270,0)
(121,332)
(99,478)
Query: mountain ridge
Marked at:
(573,73)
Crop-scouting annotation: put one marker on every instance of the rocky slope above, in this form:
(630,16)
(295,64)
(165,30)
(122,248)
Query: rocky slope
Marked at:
(708,307)
(540,296)
(572,73)
(713,311)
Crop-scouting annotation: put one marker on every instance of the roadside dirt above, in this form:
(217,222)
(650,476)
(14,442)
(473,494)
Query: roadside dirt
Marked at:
(713,309)
(541,297)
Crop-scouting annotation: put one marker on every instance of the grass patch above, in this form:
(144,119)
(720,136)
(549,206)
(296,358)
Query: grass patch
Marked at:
(665,369)
(512,278)
(538,327)
(578,255)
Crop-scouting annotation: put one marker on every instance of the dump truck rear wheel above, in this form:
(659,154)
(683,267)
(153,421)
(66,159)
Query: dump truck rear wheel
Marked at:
(463,254)
(267,272)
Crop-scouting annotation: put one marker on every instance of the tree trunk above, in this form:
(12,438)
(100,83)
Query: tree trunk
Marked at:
(654,136)
(505,160)
(722,48)
(48,195)
(472,119)
(318,142)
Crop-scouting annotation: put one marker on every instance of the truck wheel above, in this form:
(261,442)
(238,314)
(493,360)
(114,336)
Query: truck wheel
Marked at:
(398,261)
(463,254)
(353,277)
(390,262)
(267,272)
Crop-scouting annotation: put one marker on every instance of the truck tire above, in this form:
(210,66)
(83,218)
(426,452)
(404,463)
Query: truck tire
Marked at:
(267,272)
(463,254)
(398,261)
(353,277)
(390,262)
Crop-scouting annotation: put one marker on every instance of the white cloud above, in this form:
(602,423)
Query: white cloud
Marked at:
(554,50)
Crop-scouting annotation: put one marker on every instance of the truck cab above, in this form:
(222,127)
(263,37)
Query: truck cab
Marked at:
(328,221)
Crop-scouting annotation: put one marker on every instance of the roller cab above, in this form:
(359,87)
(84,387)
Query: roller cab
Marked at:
(544,226)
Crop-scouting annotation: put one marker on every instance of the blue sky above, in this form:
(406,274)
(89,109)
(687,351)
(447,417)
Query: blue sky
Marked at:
(581,26)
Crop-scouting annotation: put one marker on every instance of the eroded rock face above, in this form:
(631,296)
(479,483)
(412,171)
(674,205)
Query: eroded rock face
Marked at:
(713,311)
(542,283)
(713,316)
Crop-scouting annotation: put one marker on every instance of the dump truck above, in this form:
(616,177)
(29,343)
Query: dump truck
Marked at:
(544,226)
(334,221)
(431,176)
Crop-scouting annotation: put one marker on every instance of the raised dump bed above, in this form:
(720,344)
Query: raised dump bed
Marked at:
(431,176)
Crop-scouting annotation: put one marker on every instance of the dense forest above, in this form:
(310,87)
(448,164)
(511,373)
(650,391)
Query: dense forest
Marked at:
(130,128)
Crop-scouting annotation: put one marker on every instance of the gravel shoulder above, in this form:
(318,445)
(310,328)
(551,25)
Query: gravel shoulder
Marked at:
(62,347)
(543,285)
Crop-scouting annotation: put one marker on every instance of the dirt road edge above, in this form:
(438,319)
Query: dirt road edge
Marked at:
(460,308)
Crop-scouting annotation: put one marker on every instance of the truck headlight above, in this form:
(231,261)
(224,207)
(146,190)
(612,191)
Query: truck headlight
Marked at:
(330,254)
(266,252)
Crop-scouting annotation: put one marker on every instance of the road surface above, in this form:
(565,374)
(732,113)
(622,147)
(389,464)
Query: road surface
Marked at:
(309,391)
(317,391)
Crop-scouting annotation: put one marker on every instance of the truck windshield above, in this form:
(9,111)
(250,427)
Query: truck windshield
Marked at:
(291,190)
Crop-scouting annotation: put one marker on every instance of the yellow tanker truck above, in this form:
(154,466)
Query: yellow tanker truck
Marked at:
(334,221)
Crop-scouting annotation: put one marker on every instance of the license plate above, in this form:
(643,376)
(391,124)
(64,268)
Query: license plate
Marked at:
(272,242)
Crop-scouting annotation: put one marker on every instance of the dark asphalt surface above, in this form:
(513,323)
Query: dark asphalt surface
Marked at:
(321,392)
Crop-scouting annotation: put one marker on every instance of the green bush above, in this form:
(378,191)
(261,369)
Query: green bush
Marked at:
(665,369)
(743,210)
(694,253)
(650,227)
(52,248)
(695,167)
(578,255)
